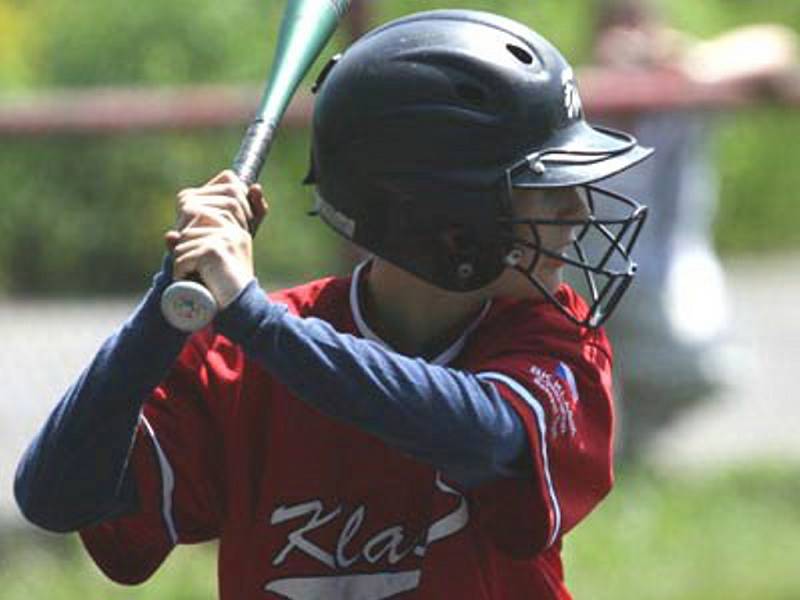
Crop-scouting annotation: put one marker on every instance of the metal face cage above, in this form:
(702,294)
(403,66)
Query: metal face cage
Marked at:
(598,261)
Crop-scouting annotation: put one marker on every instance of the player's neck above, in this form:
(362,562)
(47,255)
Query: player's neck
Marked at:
(412,316)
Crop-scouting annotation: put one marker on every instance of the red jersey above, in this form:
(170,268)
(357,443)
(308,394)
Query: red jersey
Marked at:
(307,507)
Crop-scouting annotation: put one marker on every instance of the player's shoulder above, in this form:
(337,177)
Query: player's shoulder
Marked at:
(319,298)
(536,327)
(532,346)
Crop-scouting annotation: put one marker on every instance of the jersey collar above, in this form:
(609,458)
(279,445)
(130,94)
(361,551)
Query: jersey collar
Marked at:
(443,358)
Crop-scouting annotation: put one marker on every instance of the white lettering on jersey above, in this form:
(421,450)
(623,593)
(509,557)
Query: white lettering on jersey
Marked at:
(563,420)
(296,539)
(389,546)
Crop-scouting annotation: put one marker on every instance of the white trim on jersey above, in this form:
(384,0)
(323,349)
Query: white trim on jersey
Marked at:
(542,425)
(442,359)
(167,482)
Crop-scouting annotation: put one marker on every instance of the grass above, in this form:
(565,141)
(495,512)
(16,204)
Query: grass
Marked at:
(731,536)
(56,568)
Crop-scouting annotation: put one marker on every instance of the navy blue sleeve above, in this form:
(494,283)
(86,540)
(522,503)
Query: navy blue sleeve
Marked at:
(73,474)
(445,417)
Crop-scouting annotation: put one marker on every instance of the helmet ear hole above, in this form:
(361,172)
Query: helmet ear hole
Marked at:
(522,55)
(465,270)
(323,75)
(462,252)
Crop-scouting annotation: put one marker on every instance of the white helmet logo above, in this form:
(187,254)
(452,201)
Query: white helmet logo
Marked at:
(572,99)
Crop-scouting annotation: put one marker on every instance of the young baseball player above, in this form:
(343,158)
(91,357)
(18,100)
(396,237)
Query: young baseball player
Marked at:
(429,427)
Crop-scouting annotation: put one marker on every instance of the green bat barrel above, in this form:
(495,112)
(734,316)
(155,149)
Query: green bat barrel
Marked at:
(306,27)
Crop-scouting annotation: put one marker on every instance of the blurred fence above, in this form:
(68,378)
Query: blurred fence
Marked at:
(606,92)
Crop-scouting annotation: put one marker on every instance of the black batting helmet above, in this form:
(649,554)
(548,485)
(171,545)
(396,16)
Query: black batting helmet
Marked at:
(426,125)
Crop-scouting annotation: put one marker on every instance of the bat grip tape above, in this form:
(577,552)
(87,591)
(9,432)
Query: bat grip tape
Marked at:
(253,151)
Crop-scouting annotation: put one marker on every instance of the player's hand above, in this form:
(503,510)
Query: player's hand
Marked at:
(227,194)
(212,234)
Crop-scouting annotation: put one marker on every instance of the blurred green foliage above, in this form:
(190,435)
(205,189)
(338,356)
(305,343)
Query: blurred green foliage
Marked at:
(760,184)
(86,214)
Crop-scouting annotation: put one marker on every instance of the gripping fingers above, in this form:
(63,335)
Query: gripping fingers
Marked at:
(186,258)
(195,257)
(228,233)
(203,253)
(192,205)
(209,216)
(227,190)
(212,235)
(200,248)
(222,257)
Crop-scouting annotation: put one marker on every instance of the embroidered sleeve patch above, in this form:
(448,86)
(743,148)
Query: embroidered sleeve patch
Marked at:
(560,391)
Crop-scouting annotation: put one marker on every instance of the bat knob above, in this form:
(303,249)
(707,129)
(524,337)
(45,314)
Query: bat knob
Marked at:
(188,306)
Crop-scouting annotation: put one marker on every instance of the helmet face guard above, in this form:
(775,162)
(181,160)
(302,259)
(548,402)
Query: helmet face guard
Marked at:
(598,262)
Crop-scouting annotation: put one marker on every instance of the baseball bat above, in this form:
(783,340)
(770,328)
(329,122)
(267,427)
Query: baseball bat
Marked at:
(306,27)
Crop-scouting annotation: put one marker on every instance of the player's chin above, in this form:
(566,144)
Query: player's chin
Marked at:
(550,273)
